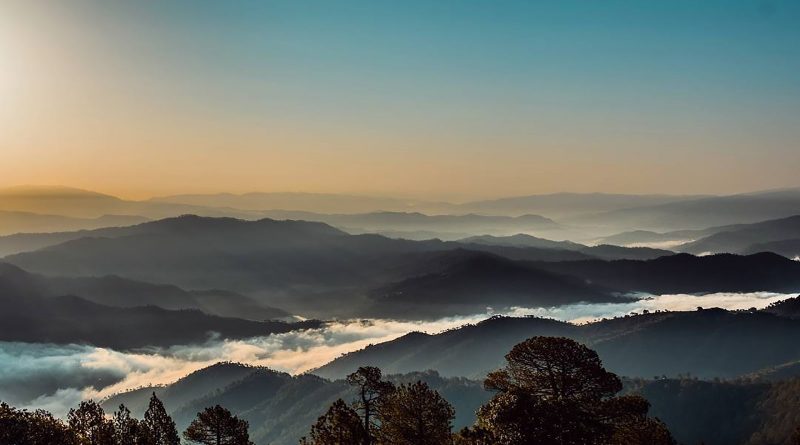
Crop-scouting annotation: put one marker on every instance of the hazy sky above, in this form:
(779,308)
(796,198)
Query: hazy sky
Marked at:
(436,98)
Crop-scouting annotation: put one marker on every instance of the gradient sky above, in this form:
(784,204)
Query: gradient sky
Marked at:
(438,99)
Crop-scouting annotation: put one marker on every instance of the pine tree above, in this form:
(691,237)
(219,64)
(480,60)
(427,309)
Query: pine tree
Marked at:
(414,414)
(127,430)
(632,426)
(340,425)
(158,425)
(371,393)
(555,390)
(90,425)
(217,426)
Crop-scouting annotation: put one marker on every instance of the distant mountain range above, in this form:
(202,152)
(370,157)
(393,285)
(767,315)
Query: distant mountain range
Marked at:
(313,269)
(566,205)
(671,238)
(77,203)
(603,251)
(698,213)
(302,202)
(774,235)
(579,215)
(116,291)
(16,222)
(294,264)
(556,205)
(781,236)
(32,311)
(411,225)
(521,240)
(706,343)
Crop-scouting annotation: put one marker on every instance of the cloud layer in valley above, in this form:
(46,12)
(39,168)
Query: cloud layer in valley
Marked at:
(56,377)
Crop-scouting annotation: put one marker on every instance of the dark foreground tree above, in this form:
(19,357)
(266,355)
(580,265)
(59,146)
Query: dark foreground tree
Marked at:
(372,391)
(21,427)
(217,426)
(340,425)
(158,426)
(475,435)
(554,368)
(89,424)
(127,429)
(632,426)
(414,414)
(556,391)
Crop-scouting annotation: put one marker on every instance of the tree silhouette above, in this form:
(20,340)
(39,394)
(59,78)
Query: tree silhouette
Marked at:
(556,391)
(20,427)
(340,425)
(554,368)
(217,426)
(127,430)
(13,425)
(474,436)
(90,425)
(414,414)
(371,393)
(628,414)
(158,426)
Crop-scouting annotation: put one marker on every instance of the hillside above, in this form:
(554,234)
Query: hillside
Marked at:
(116,291)
(280,408)
(466,285)
(685,273)
(520,240)
(707,343)
(743,238)
(790,248)
(603,251)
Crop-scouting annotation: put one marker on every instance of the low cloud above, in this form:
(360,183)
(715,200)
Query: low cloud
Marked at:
(56,377)
(582,313)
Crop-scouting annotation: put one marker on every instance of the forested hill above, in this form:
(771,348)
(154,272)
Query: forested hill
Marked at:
(280,407)
(707,343)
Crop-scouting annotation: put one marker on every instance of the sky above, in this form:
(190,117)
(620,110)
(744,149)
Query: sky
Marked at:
(430,99)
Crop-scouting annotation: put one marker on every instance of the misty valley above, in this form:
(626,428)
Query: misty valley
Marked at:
(416,222)
(272,321)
